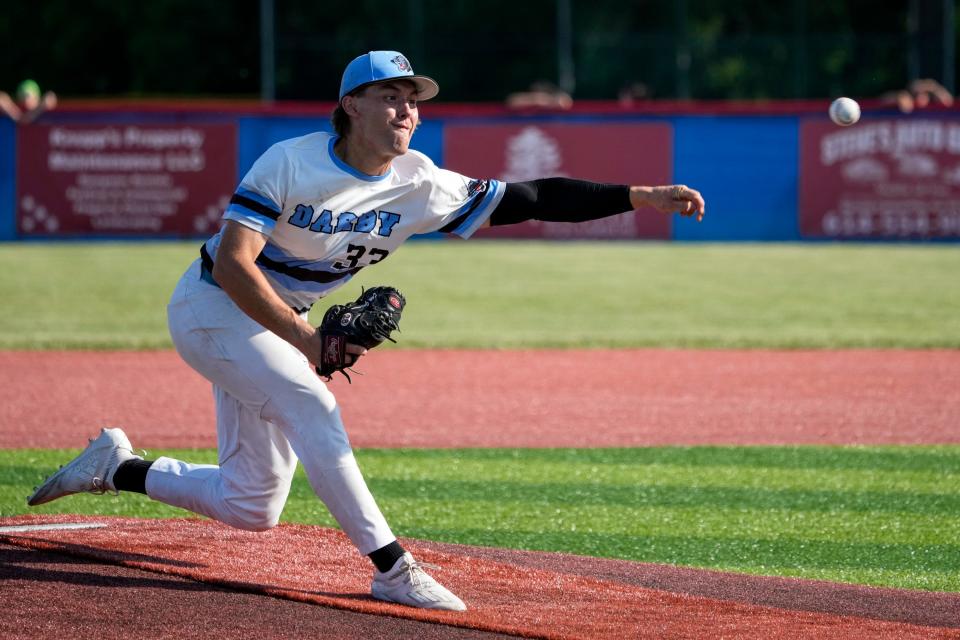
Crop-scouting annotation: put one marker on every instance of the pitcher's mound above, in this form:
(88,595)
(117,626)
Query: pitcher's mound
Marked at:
(525,594)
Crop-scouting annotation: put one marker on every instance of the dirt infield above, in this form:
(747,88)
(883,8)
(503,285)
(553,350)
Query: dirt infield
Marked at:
(320,566)
(517,398)
(50,595)
(195,578)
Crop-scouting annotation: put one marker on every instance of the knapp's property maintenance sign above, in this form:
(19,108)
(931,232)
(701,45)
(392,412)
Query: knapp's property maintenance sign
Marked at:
(880,179)
(124,179)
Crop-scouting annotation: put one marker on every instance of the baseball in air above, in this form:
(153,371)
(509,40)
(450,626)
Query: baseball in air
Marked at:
(844,111)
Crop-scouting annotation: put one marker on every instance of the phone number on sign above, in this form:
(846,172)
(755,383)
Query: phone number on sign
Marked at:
(928,219)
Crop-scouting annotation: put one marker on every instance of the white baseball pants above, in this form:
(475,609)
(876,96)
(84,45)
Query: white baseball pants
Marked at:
(271,409)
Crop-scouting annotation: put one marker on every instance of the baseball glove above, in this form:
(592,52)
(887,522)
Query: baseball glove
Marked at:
(367,321)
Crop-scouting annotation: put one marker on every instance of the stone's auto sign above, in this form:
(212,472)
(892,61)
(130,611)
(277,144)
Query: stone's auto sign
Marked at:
(124,179)
(884,179)
(615,153)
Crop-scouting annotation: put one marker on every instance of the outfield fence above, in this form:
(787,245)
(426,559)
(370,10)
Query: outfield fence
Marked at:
(769,171)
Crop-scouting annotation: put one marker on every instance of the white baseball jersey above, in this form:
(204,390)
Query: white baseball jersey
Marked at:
(324,220)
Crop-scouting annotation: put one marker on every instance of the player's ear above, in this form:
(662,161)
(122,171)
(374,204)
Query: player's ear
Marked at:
(349,104)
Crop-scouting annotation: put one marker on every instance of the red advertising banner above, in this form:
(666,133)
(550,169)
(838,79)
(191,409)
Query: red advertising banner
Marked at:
(616,153)
(890,179)
(124,179)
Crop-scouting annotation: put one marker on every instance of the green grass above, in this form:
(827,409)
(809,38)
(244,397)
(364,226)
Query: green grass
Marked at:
(533,294)
(882,516)
(874,515)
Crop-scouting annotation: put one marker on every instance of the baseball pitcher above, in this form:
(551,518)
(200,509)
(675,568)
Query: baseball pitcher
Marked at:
(310,213)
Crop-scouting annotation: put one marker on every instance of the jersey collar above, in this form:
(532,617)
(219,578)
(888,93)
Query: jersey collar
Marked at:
(343,166)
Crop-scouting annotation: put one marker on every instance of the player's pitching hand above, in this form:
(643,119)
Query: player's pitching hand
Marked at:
(675,197)
(356,351)
(314,349)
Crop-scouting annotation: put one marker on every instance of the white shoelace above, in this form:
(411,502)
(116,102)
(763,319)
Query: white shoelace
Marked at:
(416,570)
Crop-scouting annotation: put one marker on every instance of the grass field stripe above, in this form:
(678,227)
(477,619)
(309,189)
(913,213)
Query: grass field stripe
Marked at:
(687,295)
(52,527)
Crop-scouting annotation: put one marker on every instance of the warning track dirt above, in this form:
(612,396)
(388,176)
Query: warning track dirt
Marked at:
(575,398)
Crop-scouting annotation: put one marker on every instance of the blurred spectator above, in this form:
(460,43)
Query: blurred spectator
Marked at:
(541,95)
(919,94)
(633,93)
(29,103)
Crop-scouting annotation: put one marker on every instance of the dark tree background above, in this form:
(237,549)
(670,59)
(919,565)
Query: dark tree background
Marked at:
(700,49)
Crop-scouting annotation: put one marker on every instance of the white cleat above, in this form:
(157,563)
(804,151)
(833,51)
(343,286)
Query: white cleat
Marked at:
(90,472)
(407,583)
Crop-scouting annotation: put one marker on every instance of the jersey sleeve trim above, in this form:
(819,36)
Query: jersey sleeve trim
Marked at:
(476,211)
(253,202)
(251,209)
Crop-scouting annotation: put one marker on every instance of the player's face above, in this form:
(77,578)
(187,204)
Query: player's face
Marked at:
(388,116)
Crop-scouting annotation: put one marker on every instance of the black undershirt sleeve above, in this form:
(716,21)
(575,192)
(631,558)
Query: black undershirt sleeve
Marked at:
(560,200)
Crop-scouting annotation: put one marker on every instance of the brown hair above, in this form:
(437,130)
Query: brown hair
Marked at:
(340,121)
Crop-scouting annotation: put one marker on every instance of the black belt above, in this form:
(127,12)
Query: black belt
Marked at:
(206,274)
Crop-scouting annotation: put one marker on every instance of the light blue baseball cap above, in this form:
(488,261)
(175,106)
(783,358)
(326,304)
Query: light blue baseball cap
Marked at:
(381,66)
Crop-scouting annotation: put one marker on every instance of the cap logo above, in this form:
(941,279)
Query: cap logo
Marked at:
(401,63)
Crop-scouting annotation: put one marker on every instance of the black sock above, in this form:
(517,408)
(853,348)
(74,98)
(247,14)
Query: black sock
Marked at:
(132,476)
(385,557)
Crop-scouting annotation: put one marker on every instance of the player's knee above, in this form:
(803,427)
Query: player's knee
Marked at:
(257,521)
(255,516)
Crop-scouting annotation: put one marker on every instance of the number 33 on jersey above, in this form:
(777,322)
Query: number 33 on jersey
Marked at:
(376,223)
